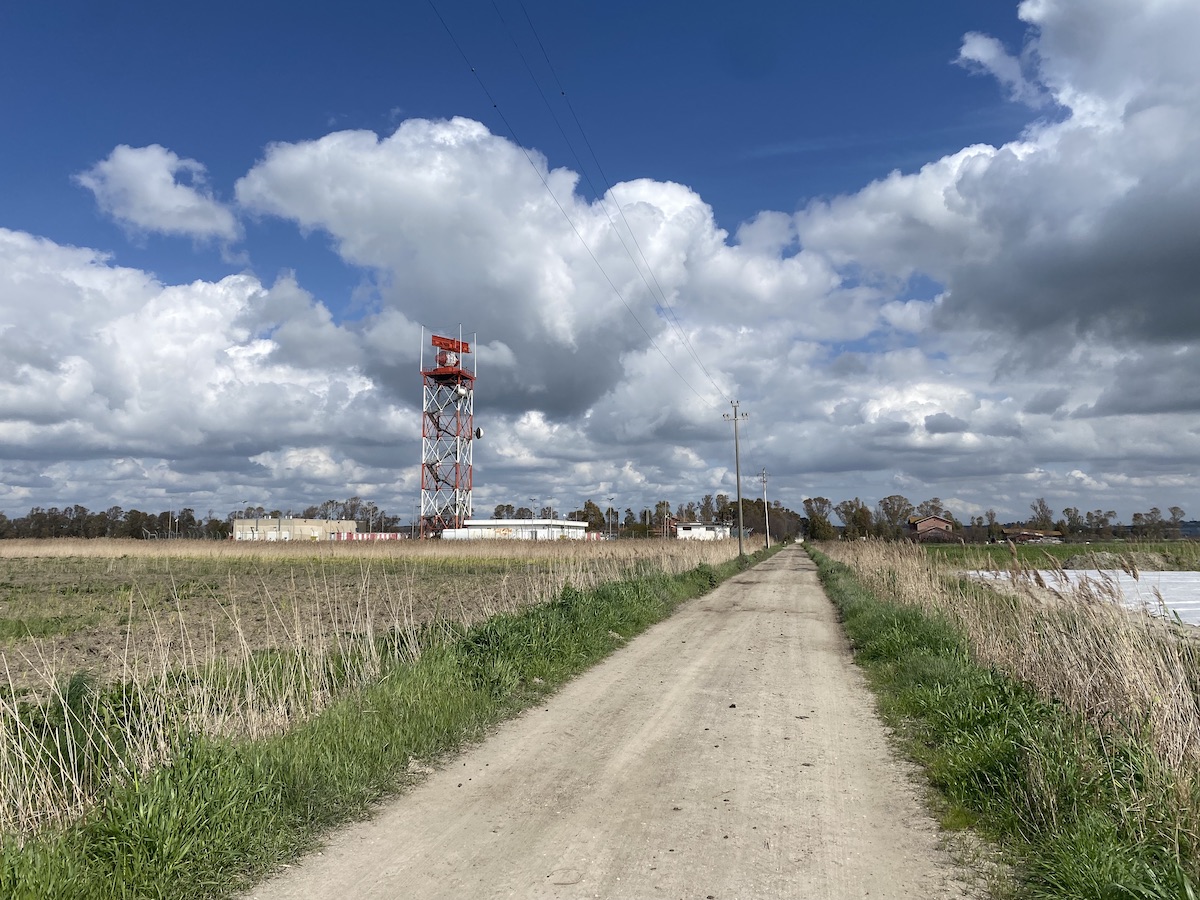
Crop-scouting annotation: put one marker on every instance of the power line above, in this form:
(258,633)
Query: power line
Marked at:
(512,131)
(672,319)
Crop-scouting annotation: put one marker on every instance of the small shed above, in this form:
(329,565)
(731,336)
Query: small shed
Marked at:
(701,531)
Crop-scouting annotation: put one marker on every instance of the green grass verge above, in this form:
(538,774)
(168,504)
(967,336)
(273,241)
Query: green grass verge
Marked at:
(1076,811)
(222,814)
(1173,555)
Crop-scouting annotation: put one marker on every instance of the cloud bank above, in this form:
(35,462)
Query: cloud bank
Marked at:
(1002,324)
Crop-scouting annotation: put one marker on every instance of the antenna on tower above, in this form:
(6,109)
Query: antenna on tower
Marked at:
(448,433)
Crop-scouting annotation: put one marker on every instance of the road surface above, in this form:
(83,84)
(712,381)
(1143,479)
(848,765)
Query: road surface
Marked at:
(730,752)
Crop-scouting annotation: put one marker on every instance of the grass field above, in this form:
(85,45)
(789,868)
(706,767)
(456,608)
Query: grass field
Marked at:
(113,608)
(114,651)
(1164,555)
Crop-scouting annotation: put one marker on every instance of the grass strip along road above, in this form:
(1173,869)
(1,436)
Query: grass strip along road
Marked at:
(222,813)
(1070,805)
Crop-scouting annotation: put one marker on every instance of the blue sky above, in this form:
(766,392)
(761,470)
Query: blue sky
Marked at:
(938,250)
(755,109)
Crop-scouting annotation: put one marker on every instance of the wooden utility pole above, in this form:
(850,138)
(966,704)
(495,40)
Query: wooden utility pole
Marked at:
(737,469)
(766,515)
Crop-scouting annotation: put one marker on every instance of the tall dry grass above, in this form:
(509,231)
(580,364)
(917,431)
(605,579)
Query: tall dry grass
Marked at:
(1130,673)
(246,667)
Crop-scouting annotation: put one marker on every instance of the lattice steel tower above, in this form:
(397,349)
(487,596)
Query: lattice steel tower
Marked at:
(448,434)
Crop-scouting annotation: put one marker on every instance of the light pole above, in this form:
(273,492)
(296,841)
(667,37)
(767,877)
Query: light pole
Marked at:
(534,512)
(610,512)
(737,468)
(766,514)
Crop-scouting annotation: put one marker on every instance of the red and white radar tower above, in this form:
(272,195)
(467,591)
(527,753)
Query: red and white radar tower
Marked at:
(448,434)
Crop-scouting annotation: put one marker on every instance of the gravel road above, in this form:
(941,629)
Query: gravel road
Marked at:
(730,752)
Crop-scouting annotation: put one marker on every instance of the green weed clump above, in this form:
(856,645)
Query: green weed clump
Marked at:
(1085,813)
(216,813)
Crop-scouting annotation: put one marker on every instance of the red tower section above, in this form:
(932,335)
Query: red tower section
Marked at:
(448,434)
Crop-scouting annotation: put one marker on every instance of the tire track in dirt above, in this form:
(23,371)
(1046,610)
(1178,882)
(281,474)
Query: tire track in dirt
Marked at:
(730,752)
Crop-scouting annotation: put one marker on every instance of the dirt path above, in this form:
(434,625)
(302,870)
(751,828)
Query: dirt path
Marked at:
(730,752)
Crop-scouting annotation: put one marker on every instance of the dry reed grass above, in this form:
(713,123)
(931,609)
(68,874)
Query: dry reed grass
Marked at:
(274,634)
(1133,675)
(97,603)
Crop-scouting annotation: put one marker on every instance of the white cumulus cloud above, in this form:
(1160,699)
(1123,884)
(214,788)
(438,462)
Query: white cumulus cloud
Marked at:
(153,189)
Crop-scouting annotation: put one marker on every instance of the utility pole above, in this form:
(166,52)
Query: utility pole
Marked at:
(610,512)
(737,468)
(766,515)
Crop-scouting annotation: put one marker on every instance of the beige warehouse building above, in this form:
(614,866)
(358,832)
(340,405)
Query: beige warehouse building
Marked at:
(289,529)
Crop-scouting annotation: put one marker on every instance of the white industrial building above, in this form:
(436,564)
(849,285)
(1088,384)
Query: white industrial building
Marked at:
(702,531)
(520,530)
(290,529)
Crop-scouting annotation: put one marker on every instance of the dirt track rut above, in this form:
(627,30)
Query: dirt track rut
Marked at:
(729,752)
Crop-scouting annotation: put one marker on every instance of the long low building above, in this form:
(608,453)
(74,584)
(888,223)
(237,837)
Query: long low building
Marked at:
(520,530)
(702,531)
(289,529)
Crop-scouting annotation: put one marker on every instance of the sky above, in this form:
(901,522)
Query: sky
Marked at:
(942,249)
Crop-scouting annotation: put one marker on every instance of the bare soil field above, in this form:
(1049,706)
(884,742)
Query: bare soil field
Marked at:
(116,608)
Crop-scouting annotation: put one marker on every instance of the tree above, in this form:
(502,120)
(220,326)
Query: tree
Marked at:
(819,527)
(707,508)
(994,531)
(1043,516)
(1176,521)
(931,507)
(1155,526)
(855,516)
(1074,520)
(891,514)
(594,516)
(1099,522)
(1138,525)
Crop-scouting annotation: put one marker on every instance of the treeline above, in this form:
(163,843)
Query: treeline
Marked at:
(647,521)
(889,519)
(80,522)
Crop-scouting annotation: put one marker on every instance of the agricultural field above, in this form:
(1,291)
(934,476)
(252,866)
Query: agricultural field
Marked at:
(119,655)
(120,607)
(1145,555)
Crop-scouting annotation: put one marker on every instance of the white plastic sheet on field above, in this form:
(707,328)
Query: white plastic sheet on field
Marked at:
(1180,591)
